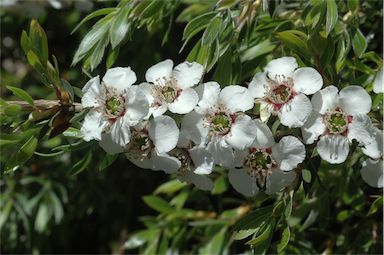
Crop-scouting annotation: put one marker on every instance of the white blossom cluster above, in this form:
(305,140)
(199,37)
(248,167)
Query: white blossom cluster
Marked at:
(213,127)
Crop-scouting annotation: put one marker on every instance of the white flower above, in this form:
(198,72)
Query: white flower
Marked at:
(378,86)
(282,90)
(375,148)
(266,165)
(218,121)
(170,88)
(115,105)
(196,162)
(150,143)
(338,118)
(372,172)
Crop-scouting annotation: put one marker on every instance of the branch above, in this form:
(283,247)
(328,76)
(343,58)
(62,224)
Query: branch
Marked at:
(43,104)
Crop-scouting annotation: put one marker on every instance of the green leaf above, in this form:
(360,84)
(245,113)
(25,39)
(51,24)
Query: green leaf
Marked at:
(42,218)
(82,164)
(213,30)
(5,210)
(254,219)
(242,234)
(25,42)
(27,150)
(58,211)
(295,40)
(341,55)
(264,236)
(216,244)
(34,61)
(196,25)
(140,238)
(158,204)
(353,5)
(119,27)
(359,43)
(98,53)
(306,174)
(223,71)
(332,16)
(220,185)
(12,110)
(94,36)
(39,41)
(112,57)
(94,14)
(170,187)
(284,239)
(68,88)
(152,9)
(107,161)
(376,205)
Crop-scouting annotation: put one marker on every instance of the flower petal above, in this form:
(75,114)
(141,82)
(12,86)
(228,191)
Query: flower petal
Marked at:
(162,70)
(372,173)
(93,93)
(137,105)
(281,67)
(120,131)
(164,162)
(378,86)
(354,100)
(119,78)
(333,148)
(288,153)
(313,128)
(279,180)
(142,162)
(242,182)
(361,129)
(325,99)
(307,80)
(108,145)
(185,102)
(188,74)
(200,181)
(209,95)
(243,132)
(202,159)
(222,153)
(265,112)
(164,133)
(258,85)
(264,136)
(240,156)
(236,98)
(192,124)
(295,112)
(93,126)
(375,148)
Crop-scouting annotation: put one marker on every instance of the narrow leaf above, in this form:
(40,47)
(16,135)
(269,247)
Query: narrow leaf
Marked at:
(332,16)
(22,94)
(158,204)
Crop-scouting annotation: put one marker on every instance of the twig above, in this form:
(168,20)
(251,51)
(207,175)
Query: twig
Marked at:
(43,104)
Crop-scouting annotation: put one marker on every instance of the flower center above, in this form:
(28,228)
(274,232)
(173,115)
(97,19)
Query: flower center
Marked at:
(220,123)
(140,143)
(115,106)
(259,164)
(166,90)
(280,94)
(185,160)
(336,122)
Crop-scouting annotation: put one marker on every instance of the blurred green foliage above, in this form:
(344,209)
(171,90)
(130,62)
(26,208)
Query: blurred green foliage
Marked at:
(60,194)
